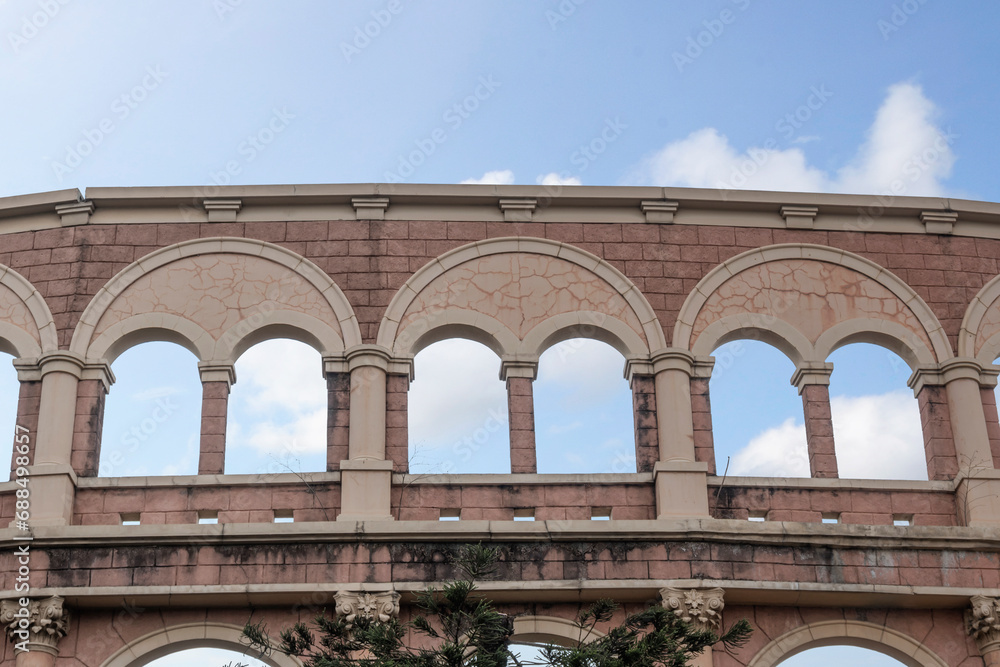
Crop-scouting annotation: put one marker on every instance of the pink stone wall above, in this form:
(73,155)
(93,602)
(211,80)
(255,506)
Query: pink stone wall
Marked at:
(87,427)
(338,419)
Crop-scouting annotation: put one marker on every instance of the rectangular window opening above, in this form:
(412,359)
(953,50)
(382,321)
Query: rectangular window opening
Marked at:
(902,519)
(450,515)
(130,518)
(757,515)
(831,517)
(208,516)
(600,514)
(524,514)
(283,516)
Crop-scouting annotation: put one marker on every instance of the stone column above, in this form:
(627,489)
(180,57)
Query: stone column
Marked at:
(978,488)
(29,378)
(216,380)
(338,412)
(88,426)
(681,482)
(366,476)
(701,608)
(812,379)
(53,480)
(35,628)
(982,622)
(519,376)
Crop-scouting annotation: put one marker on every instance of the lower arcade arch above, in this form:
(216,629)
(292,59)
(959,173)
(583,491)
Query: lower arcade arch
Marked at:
(167,641)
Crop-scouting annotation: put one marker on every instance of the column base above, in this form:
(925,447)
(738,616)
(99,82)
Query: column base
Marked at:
(681,489)
(365,490)
(52,491)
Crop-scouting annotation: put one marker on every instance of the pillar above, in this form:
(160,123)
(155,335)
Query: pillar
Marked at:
(812,379)
(53,480)
(88,425)
(647,437)
(982,625)
(978,482)
(521,414)
(338,413)
(701,413)
(397,441)
(29,394)
(216,381)
(35,628)
(366,475)
(701,608)
(681,482)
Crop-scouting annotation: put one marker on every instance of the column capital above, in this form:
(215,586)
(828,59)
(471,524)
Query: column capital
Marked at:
(61,361)
(956,368)
(378,605)
(40,623)
(217,372)
(811,372)
(517,368)
(700,607)
(982,622)
(367,355)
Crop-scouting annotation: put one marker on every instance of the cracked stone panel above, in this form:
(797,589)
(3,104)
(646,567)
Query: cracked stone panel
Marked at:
(810,295)
(989,326)
(14,311)
(217,292)
(520,290)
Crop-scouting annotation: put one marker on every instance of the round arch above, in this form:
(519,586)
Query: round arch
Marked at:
(885,640)
(20,297)
(320,287)
(393,333)
(551,630)
(755,326)
(979,335)
(939,347)
(175,638)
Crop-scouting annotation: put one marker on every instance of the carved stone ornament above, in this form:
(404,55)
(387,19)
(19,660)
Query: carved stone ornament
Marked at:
(982,622)
(700,608)
(381,606)
(42,623)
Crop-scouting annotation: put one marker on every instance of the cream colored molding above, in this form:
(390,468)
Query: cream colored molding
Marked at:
(953,369)
(661,212)
(703,367)
(71,215)
(939,222)
(42,623)
(518,210)
(61,361)
(698,607)
(213,372)
(673,358)
(28,370)
(367,355)
(811,372)
(99,370)
(799,217)
(378,606)
(222,210)
(370,208)
(510,368)
(982,622)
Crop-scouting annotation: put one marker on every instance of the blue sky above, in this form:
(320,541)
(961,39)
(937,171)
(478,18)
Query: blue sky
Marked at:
(812,96)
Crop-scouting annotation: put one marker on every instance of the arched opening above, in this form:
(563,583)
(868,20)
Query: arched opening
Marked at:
(9,391)
(457,410)
(757,422)
(876,419)
(152,413)
(583,410)
(277,412)
(836,656)
(215,657)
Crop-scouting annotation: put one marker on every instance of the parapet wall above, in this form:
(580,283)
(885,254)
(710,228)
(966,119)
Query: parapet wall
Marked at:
(371,274)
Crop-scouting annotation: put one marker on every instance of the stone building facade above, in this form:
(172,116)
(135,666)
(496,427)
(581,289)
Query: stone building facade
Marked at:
(369,275)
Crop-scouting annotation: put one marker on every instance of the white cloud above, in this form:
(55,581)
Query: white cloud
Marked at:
(553,178)
(498,177)
(877,437)
(905,153)
(588,371)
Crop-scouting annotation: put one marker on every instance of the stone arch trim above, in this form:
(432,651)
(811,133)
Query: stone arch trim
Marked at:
(416,307)
(175,638)
(885,640)
(91,342)
(551,630)
(26,324)
(776,333)
(933,342)
(979,336)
